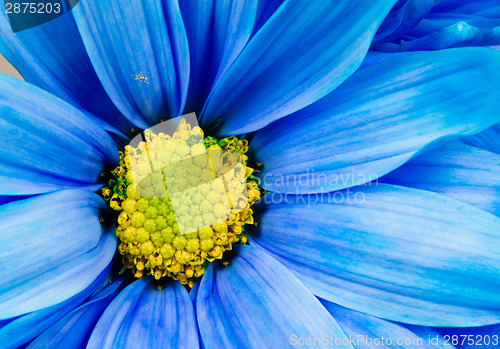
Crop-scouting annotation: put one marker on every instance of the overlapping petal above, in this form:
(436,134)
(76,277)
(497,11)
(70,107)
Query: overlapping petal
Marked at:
(404,16)
(457,170)
(255,301)
(449,24)
(375,57)
(456,35)
(53,247)
(485,337)
(265,10)
(368,331)
(296,58)
(378,119)
(489,139)
(140,53)
(402,254)
(145,317)
(74,330)
(217,32)
(16,332)
(52,57)
(47,144)
(487,8)
(436,22)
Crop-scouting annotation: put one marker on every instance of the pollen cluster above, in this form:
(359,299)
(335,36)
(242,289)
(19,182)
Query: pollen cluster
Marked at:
(174,220)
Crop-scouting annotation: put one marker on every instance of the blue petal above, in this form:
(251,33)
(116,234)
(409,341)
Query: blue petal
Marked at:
(485,8)
(11,198)
(140,53)
(217,32)
(22,329)
(398,253)
(372,332)
(388,47)
(296,58)
(489,139)
(194,290)
(465,6)
(376,57)
(491,38)
(256,301)
(46,143)
(74,330)
(433,336)
(378,119)
(266,10)
(486,337)
(436,22)
(144,316)
(52,56)
(459,171)
(450,24)
(456,35)
(403,18)
(53,247)
(198,20)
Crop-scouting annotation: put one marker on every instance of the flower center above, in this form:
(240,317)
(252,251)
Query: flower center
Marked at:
(183,200)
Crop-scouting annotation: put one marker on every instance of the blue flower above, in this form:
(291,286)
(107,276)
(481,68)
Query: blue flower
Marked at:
(382,212)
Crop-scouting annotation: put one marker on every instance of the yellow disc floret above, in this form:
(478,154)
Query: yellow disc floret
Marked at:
(183,200)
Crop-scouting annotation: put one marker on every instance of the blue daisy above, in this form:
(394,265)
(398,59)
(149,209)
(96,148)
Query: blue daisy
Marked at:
(381,214)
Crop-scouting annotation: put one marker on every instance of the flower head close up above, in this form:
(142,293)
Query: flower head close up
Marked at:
(251,174)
